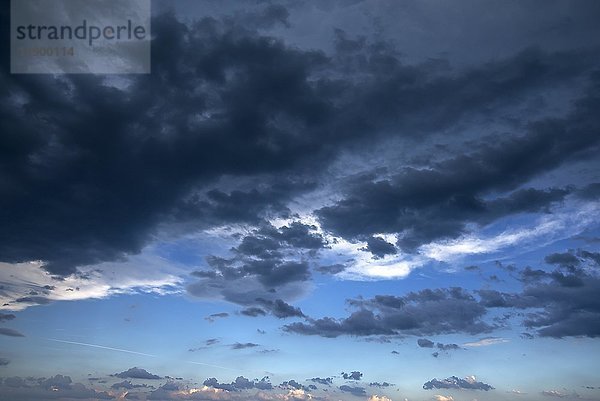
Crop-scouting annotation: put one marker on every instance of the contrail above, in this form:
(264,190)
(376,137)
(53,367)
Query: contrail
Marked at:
(100,346)
(212,366)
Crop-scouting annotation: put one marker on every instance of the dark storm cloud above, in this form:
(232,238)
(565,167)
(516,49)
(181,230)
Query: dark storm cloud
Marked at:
(10,332)
(439,201)
(265,267)
(417,313)
(91,170)
(454,382)
(564,299)
(379,247)
(354,390)
(354,375)
(563,259)
(136,373)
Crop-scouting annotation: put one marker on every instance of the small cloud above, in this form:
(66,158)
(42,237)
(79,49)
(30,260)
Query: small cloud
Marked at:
(425,343)
(517,392)
(355,375)
(381,385)
(243,345)
(253,312)
(215,316)
(4,361)
(136,373)
(328,381)
(484,342)
(6,316)
(357,391)
(443,398)
(10,332)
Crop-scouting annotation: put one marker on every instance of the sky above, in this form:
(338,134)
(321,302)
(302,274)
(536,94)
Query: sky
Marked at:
(310,200)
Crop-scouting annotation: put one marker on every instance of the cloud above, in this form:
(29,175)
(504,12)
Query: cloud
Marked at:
(354,390)
(56,387)
(127,385)
(453,382)
(443,398)
(484,342)
(214,316)
(379,398)
(10,332)
(280,309)
(271,113)
(563,297)
(244,345)
(555,393)
(418,313)
(328,381)
(380,385)
(239,384)
(90,282)
(4,317)
(425,343)
(4,361)
(136,373)
(354,375)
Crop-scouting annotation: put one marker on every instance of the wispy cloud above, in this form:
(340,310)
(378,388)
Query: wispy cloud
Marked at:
(484,342)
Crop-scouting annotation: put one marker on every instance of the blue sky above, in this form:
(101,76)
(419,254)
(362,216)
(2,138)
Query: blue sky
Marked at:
(335,200)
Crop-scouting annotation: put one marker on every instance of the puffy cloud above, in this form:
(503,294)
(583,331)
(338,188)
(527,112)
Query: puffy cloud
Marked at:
(453,382)
(354,375)
(443,398)
(136,373)
(379,398)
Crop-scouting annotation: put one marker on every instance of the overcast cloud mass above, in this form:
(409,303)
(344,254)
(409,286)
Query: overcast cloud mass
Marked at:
(309,200)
